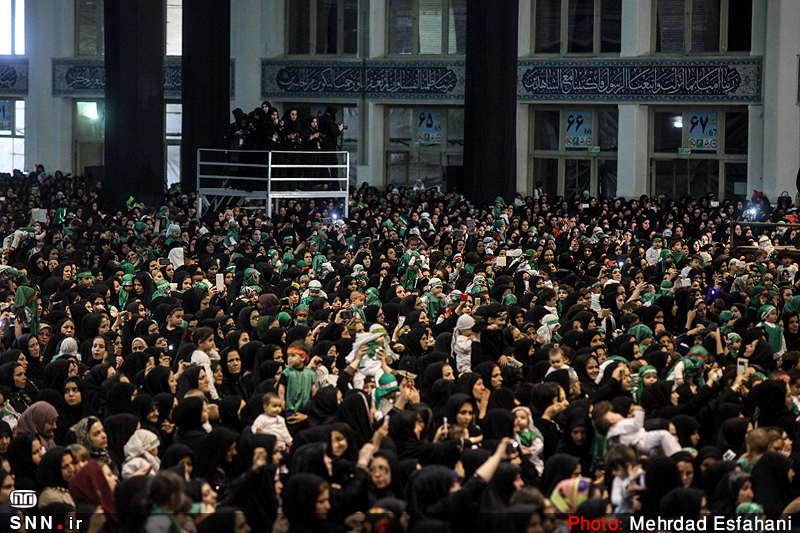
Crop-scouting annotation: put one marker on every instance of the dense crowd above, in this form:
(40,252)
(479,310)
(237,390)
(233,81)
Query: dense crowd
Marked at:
(425,365)
(295,137)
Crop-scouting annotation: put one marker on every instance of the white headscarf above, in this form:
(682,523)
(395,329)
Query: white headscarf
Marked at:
(138,445)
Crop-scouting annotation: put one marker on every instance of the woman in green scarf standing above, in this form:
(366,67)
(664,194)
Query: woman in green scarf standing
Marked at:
(26,305)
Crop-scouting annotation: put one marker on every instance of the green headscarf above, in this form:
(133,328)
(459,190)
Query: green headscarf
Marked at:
(301,307)
(316,264)
(792,306)
(263,325)
(641,333)
(123,294)
(127,268)
(26,297)
(693,365)
(662,259)
(162,289)
(639,385)
(284,319)
(725,316)
(250,278)
(509,299)
(372,297)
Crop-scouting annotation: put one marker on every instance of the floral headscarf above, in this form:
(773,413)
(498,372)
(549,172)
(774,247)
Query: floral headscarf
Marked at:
(81,430)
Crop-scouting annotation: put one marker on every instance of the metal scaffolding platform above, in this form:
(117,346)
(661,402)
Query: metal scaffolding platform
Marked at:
(223,177)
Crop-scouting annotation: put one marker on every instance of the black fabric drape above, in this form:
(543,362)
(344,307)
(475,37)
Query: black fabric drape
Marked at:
(490,100)
(206,71)
(134,97)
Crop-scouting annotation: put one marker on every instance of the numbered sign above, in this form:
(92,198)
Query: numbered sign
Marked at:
(578,129)
(6,108)
(703,131)
(429,126)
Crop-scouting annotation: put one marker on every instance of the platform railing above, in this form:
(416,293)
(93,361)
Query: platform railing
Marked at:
(224,176)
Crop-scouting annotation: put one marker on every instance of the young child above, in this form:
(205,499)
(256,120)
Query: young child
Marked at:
(358,299)
(529,438)
(628,475)
(548,331)
(204,353)
(653,254)
(762,256)
(433,299)
(371,364)
(647,376)
(462,343)
(757,442)
(385,395)
(558,360)
(786,270)
(631,432)
(726,317)
(141,451)
(456,432)
(272,423)
(794,388)
(296,386)
(768,314)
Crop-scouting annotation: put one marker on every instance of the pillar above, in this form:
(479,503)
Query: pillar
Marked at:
(206,81)
(523,140)
(490,145)
(50,33)
(633,170)
(247,50)
(376,157)
(781,148)
(755,113)
(134,147)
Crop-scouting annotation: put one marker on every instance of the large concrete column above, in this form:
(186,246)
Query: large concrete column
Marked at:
(523,145)
(633,171)
(636,27)
(755,149)
(523,110)
(134,148)
(781,113)
(781,146)
(49,33)
(377,29)
(273,32)
(376,158)
(247,50)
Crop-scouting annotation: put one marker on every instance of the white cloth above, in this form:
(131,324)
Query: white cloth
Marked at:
(463,353)
(273,425)
(652,255)
(631,432)
(134,464)
(203,359)
(176,258)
